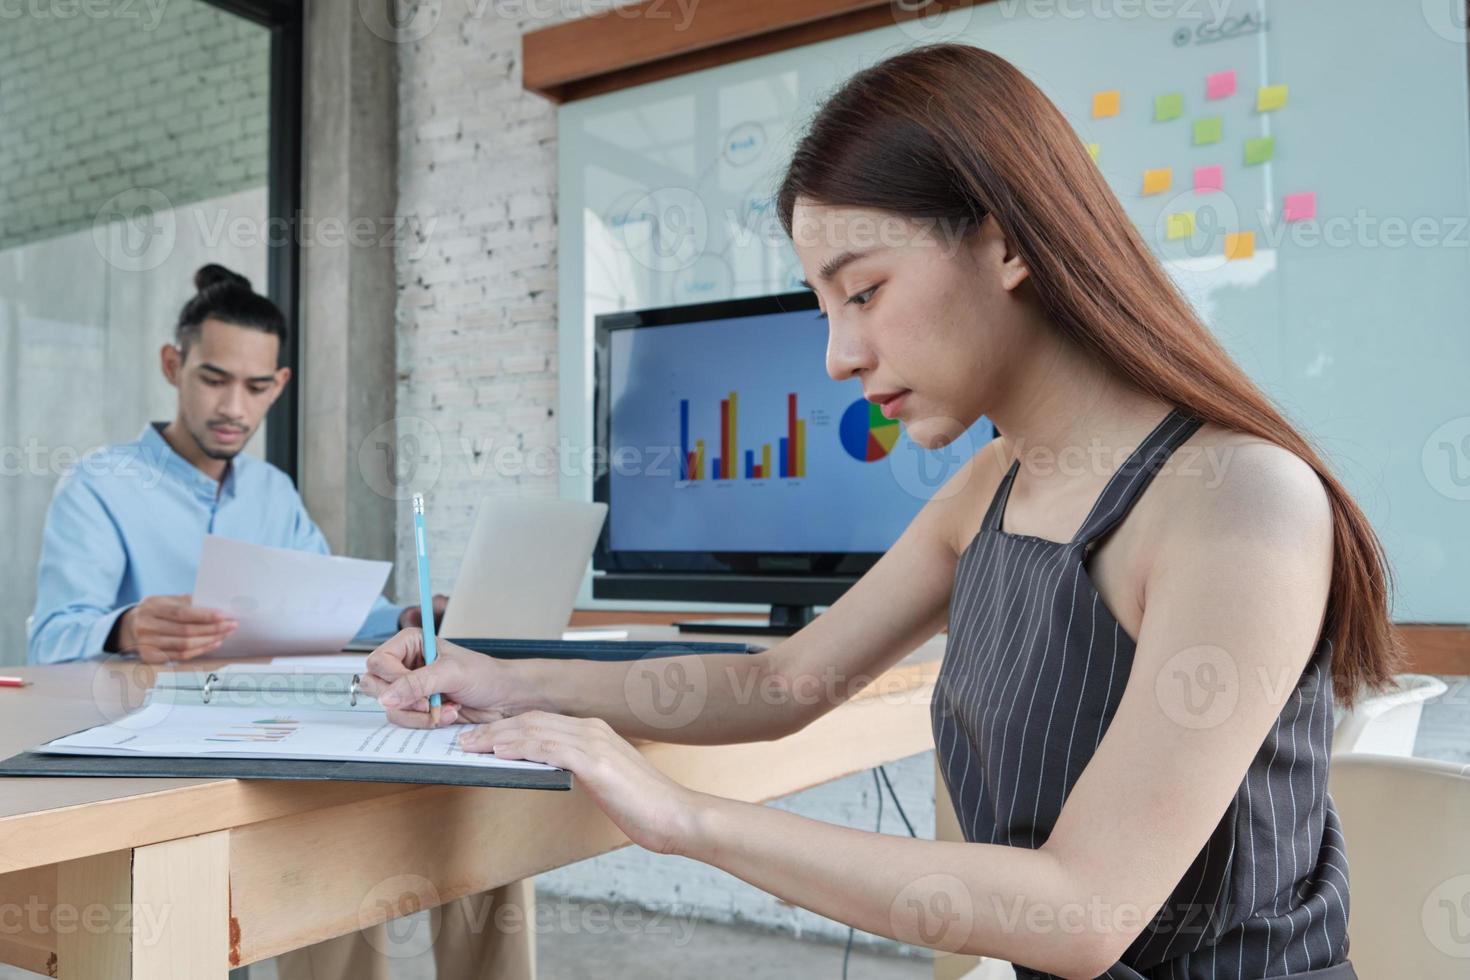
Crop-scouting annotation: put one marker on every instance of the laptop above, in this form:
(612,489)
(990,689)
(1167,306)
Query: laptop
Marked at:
(522,569)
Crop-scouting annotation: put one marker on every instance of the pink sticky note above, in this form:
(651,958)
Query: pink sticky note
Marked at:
(1301,206)
(1208,179)
(1220,84)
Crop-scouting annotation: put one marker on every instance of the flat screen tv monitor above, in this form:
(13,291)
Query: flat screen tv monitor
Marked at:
(736,470)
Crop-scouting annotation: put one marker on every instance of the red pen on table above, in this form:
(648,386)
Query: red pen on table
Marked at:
(13,681)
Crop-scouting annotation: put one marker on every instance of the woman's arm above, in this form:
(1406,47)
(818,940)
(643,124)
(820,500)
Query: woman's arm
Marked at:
(1241,578)
(716,698)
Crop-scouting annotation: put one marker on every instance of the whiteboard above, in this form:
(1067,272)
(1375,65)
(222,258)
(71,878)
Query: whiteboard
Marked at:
(1356,321)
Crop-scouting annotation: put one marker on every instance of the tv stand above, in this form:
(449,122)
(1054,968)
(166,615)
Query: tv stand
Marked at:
(784,621)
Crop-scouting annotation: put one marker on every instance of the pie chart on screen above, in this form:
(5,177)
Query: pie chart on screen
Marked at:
(866,434)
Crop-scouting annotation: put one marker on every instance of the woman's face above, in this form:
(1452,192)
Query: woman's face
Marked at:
(924,316)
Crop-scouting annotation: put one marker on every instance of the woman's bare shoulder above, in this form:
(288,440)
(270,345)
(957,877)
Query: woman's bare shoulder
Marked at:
(1221,480)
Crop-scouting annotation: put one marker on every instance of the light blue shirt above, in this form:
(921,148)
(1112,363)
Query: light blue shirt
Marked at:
(129,522)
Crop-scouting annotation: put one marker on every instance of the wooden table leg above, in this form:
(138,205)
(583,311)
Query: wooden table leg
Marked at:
(160,911)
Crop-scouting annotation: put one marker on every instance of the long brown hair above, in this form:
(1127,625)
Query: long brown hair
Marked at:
(953,132)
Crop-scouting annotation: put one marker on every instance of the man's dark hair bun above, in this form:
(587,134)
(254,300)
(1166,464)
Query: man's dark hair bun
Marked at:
(226,296)
(215,275)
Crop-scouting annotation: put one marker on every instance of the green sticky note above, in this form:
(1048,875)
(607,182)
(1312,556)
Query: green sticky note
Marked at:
(1210,129)
(1169,106)
(1259,149)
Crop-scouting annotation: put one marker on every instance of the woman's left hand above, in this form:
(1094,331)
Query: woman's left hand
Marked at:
(650,808)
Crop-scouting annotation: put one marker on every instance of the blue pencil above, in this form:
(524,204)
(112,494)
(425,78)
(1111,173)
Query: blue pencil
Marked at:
(426,596)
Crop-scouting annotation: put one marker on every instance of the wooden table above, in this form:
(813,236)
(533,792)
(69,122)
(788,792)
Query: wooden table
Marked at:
(187,878)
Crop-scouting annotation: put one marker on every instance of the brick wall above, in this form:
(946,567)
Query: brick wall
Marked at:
(477,347)
(170,96)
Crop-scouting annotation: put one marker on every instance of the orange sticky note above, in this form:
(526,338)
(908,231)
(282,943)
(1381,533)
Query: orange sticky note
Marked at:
(1157,181)
(1240,245)
(1106,103)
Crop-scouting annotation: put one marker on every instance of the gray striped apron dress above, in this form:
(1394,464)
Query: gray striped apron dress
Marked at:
(1033,671)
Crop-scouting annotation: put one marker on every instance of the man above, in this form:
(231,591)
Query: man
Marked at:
(125,528)
(121,548)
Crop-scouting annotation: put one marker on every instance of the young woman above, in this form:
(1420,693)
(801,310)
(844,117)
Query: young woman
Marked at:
(1152,584)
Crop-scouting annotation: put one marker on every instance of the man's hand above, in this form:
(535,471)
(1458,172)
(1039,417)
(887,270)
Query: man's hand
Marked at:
(170,627)
(412,617)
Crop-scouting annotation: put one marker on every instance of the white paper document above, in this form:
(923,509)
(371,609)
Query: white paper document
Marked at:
(347,663)
(185,731)
(285,601)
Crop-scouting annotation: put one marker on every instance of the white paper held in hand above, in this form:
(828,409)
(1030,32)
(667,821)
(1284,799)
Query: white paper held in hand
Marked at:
(285,601)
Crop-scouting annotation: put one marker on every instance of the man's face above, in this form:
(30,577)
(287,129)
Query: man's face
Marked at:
(227,380)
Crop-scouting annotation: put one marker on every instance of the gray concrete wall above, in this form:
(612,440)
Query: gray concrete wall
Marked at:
(349,238)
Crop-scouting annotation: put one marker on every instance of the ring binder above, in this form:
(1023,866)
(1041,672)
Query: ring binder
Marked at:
(284,690)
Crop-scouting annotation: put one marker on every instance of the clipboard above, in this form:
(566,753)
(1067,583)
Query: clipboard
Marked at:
(111,766)
(333,691)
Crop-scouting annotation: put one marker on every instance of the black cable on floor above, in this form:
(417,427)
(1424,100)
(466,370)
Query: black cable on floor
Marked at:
(878,828)
(880,770)
(902,815)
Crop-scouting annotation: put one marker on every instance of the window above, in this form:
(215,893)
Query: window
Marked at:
(137,142)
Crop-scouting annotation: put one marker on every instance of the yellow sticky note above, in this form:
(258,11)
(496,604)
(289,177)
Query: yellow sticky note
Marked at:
(1179,225)
(1270,97)
(1240,245)
(1092,151)
(1157,181)
(1106,103)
